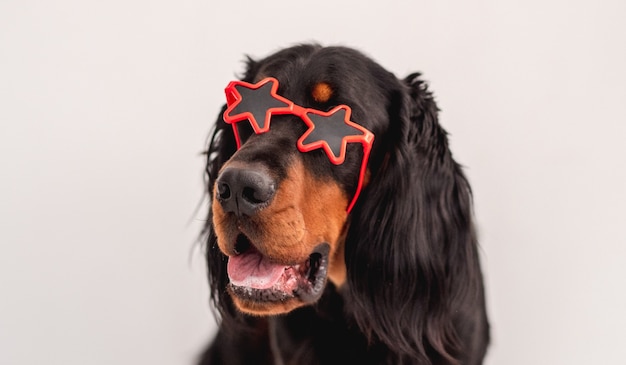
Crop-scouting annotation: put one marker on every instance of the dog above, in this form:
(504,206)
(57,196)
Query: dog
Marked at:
(340,228)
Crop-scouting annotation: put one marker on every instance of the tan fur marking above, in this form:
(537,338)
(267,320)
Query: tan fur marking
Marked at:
(337,272)
(269,308)
(322,92)
(304,213)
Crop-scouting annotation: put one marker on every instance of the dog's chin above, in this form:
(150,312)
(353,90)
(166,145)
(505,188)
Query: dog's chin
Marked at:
(281,288)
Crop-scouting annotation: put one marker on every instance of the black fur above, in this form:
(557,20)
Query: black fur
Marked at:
(414,291)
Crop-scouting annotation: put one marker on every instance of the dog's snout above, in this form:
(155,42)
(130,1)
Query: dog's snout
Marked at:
(244,191)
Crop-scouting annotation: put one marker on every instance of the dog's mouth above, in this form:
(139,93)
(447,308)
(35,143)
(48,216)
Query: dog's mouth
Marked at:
(254,277)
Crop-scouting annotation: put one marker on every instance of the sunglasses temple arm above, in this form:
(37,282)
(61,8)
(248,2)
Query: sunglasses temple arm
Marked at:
(367,146)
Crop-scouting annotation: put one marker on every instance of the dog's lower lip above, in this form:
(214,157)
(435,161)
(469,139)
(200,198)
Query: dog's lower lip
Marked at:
(307,284)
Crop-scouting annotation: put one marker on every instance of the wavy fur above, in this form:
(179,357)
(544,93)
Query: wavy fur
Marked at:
(414,291)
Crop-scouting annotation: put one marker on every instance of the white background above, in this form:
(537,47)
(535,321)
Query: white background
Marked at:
(104,111)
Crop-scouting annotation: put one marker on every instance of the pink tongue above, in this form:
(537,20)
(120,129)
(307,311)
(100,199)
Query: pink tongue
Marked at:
(251,269)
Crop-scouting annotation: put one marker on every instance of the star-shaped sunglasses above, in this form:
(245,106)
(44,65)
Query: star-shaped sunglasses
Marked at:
(331,131)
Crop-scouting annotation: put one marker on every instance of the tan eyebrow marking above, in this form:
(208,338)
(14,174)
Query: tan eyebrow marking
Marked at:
(322,92)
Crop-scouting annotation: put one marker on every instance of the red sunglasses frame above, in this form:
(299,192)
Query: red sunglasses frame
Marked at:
(365,137)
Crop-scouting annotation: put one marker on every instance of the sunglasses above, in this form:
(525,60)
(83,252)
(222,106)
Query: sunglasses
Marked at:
(330,131)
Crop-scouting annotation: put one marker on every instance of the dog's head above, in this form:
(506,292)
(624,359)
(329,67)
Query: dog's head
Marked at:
(325,168)
(303,122)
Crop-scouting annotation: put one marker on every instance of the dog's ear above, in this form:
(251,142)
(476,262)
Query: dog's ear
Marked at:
(221,146)
(410,250)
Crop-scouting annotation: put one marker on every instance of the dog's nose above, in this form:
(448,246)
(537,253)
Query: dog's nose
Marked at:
(244,191)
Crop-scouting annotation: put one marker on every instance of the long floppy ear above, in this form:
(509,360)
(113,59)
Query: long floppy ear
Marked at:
(411,248)
(221,146)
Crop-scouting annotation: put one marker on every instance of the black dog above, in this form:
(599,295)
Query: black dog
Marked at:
(340,228)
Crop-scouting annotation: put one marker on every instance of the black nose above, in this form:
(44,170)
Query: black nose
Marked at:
(244,191)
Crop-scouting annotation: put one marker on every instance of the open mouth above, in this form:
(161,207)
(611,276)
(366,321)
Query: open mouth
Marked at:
(255,277)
